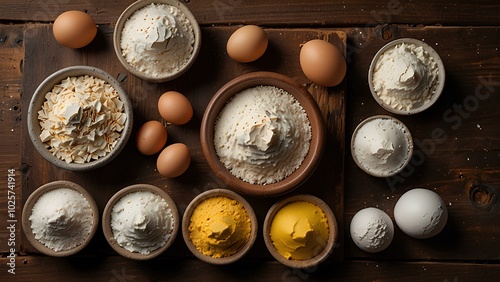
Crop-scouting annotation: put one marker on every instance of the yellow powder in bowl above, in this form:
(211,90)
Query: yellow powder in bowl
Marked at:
(219,227)
(299,230)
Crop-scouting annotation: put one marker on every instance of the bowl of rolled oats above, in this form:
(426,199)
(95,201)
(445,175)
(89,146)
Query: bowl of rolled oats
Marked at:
(79,118)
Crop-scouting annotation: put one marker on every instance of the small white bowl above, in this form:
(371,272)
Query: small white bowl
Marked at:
(128,12)
(38,99)
(440,79)
(384,169)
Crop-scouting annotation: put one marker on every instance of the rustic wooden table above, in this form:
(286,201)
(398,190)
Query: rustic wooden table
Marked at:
(462,163)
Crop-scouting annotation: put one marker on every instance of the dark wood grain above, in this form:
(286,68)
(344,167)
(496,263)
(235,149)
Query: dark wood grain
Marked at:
(212,69)
(282,13)
(114,268)
(465,156)
(463,167)
(11,60)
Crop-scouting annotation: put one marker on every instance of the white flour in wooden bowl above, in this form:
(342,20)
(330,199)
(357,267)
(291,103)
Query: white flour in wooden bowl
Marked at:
(157,40)
(262,135)
(61,219)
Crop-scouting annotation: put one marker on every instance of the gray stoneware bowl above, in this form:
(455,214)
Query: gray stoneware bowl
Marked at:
(128,12)
(440,80)
(38,99)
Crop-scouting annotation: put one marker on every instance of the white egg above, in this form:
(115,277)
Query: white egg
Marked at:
(372,230)
(420,213)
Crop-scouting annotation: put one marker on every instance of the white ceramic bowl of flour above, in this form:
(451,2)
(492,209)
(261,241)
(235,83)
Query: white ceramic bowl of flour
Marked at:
(157,40)
(406,76)
(381,146)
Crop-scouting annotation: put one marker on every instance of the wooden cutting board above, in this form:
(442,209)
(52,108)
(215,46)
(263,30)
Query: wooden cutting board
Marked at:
(212,69)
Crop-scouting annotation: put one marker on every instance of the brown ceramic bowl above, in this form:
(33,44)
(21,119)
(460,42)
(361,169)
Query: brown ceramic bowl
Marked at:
(311,108)
(108,231)
(128,12)
(31,201)
(38,99)
(332,236)
(186,219)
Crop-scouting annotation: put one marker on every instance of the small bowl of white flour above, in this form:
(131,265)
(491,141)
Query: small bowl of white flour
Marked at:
(157,40)
(60,218)
(140,221)
(406,76)
(382,146)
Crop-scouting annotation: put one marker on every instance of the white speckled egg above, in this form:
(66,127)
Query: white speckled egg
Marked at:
(420,213)
(372,230)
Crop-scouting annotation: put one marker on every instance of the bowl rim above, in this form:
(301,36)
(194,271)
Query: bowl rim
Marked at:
(108,231)
(33,199)
(186,219)
(315,116)
(332,231)
(440,80)
(38,99)
(409,138)
(129,11)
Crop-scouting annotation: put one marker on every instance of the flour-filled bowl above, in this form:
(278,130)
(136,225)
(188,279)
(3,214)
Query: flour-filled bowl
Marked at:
(60,218)
(406,76)
(140,221)
(157,40)
(263,134)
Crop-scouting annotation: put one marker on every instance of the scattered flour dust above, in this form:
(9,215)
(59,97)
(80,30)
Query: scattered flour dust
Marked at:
(262,135)
(61,219)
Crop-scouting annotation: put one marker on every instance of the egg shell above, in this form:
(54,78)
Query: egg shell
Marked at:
(247,44)
(322,62)
(372,230)
(151,137)
(74,29)
(174,160)
(420,213)
(175,108)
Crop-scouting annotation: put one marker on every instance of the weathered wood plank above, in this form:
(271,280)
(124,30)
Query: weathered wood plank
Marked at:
(114,268)
(212,69)
(283,13)
(11,59)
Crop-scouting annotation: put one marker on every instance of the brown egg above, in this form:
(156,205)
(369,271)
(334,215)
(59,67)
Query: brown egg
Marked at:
(247,44)
(175,108)
(74,29)
(322,62)
(174,160)
(151,137)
